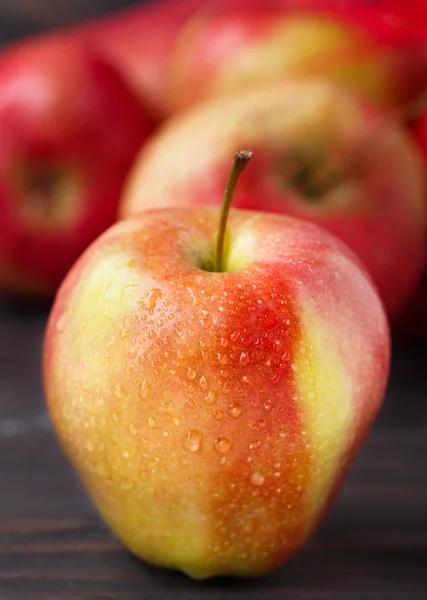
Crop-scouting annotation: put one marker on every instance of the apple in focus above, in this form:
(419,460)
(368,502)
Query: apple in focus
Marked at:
(69,130)
(212,415)
(224,49)
(320,154)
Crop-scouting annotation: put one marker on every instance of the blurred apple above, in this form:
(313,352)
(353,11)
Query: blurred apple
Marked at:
(212,413)
(223,49)
(69,130)
(138,41)
(320,154)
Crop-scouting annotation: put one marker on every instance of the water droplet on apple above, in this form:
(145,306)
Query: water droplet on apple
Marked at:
(177,421)
(218,415)
(116,416)
(205,313)
(234,411)
(193,441)
(203,382)
(128,370)
(254,445)
(191,374)
(127,484)
(119,392)
(133,429)
(257,479)
(244,359)
(60,324)
(211,398)
(262,423)
(222,445)
(144,389)
(149,301)
(222,359)
(151,422)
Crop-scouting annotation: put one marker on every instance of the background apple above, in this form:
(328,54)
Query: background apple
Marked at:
(69,130)
(212,415)
(300,131)
(224,49)
(138,41)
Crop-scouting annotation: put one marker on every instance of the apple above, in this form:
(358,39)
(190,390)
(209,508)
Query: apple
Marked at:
(212,389)
(304,133)
(224,49)
(412,10)
(69,130)
(137,41)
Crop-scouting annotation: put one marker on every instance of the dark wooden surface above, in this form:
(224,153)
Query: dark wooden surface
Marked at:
(53,546)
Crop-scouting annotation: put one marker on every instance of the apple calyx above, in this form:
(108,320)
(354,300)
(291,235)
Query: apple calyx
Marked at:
(46,192)
(327,178)
(240,161)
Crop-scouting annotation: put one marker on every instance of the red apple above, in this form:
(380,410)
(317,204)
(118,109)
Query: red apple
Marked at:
(413,10)
(137,41)
(69,130)
(212,415)
(222,50)
(304,133)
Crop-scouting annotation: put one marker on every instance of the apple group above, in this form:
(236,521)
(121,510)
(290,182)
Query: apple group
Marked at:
(210,375)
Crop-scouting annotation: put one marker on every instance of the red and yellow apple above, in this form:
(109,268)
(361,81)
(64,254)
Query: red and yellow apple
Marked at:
(223,49)
(320,154)
(69,130)
(212,415)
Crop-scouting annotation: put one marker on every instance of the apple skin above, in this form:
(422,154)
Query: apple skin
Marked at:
(138,41)
(69,130)
(225,49)
(296,130)
(213,416)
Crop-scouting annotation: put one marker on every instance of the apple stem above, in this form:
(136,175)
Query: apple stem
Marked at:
(409,112)
(240,161)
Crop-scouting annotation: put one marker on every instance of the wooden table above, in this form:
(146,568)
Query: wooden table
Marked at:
(53,545)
